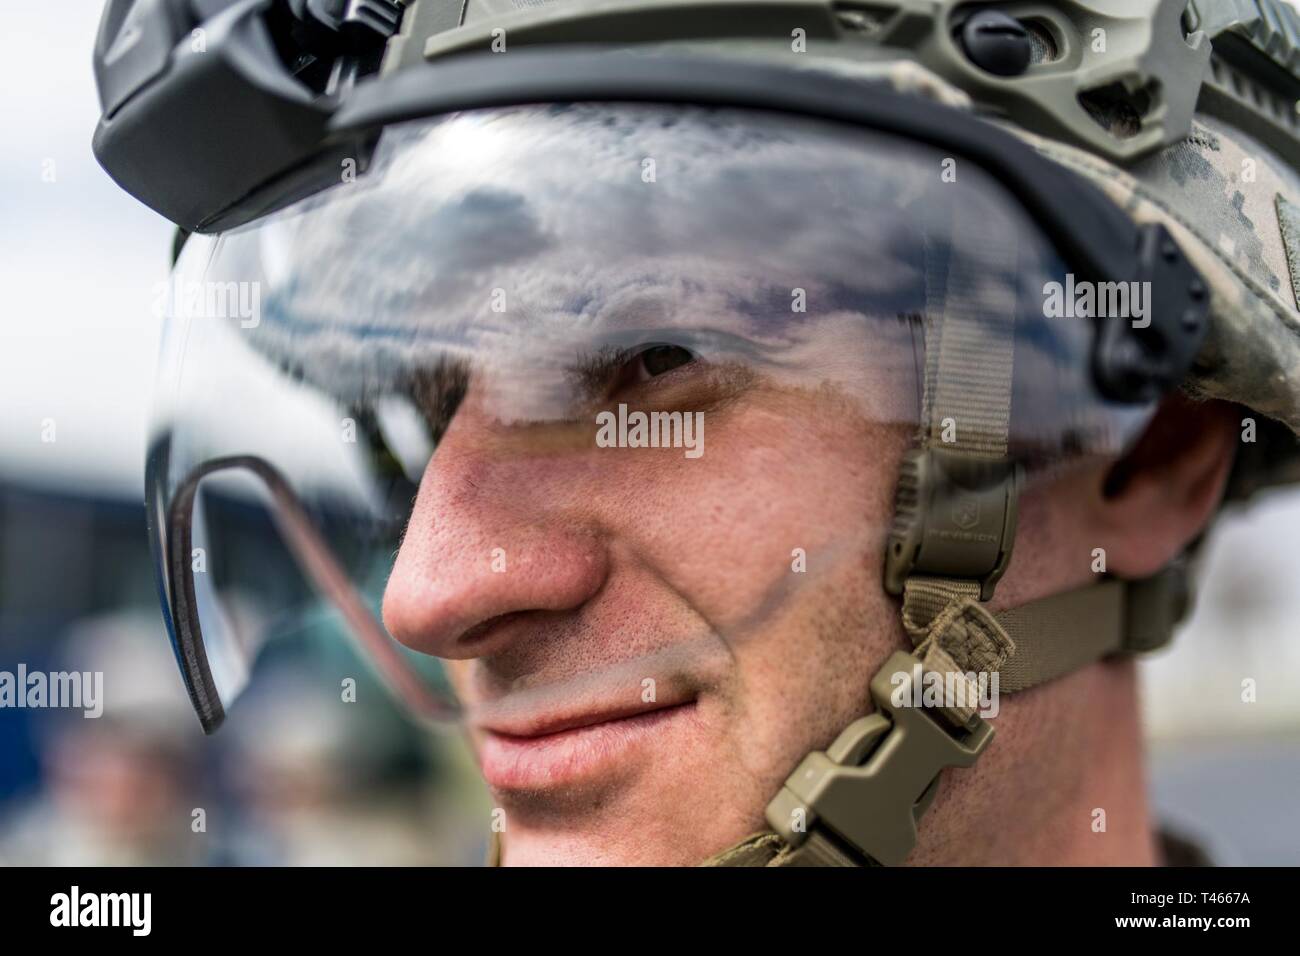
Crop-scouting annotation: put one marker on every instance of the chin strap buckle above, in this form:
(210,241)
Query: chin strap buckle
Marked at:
(868,791)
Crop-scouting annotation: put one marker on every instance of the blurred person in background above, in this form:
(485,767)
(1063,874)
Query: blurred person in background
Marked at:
(310,783)
(115,787)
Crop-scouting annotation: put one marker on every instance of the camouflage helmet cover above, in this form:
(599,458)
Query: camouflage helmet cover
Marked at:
(1187,114)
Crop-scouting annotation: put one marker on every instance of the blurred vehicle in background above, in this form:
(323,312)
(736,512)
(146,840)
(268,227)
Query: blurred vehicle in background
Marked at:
(292,782)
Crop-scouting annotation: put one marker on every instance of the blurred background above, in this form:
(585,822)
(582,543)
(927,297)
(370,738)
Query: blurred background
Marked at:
(288,780)
(293,777)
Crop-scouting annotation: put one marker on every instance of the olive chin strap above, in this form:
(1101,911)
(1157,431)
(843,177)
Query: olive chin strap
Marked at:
(858,803)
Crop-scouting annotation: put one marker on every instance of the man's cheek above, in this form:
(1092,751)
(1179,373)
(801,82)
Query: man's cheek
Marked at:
(744,582)
(460,675)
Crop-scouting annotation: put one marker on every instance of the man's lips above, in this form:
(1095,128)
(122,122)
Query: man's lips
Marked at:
(596,726)
(537,725)
(550,750)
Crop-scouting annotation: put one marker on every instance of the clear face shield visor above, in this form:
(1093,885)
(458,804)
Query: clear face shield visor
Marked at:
(554,407)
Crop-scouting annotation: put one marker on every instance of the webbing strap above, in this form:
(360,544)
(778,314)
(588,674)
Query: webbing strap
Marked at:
(759,849)
(1063,633)
(966,408)
(1052,637)
(817,850)
(768,849)
(954,634)
(1027,645)
(971,308)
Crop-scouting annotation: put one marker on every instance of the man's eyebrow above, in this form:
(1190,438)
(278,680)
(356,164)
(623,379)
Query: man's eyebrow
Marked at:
(438,390)
(590,372)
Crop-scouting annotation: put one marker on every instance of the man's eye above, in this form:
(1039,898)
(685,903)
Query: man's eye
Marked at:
(660,359)
(628,369)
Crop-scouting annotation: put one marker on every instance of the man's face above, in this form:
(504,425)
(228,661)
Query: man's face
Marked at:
(647,644)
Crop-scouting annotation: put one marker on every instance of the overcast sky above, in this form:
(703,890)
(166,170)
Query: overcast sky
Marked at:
(79,260)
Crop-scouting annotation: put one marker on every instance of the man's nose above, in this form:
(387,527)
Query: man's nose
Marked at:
(491,534)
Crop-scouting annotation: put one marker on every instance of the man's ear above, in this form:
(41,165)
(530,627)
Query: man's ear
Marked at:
(1160,496)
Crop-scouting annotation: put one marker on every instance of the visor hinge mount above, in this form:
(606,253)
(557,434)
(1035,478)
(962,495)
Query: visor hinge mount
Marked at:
(1149,329)
(954,517)
(349,26)
(329,44)
(873,784)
